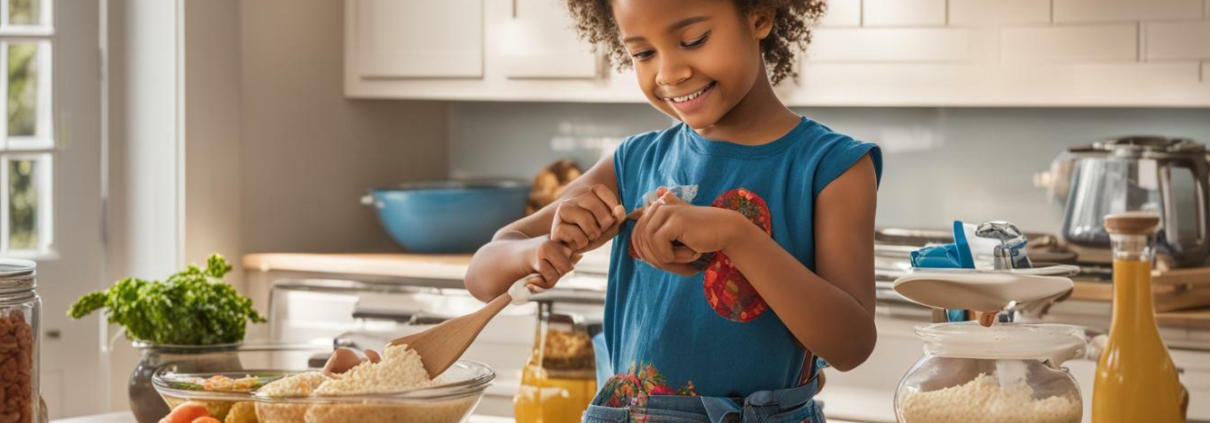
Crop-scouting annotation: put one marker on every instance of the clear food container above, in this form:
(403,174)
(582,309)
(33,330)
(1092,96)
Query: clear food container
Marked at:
(559,380)
(20,311)
(451,400)
(1006,373)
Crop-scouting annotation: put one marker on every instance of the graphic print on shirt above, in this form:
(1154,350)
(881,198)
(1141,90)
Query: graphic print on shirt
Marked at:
(631,389)
(685,192)
(727,290)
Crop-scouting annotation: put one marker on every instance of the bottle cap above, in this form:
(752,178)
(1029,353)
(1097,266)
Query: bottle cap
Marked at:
(1133,223)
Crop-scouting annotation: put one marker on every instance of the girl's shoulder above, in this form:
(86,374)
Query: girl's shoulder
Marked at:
(651,139)
(816,138)
(832,153)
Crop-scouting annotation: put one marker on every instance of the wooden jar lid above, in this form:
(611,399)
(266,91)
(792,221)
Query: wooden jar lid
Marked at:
(1133,223)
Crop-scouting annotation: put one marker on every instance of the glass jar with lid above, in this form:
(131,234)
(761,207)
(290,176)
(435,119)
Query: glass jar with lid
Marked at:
(1006,373)
(559,380)
(20,310)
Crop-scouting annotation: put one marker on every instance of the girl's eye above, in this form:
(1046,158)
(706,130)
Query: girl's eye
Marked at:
(696,42)
(642,55)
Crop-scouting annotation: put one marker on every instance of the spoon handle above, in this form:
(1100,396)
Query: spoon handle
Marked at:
(521,292)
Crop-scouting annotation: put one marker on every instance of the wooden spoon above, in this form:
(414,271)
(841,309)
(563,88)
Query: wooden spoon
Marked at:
(442,345)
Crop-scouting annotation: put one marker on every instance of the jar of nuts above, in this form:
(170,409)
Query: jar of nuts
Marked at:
(20,309)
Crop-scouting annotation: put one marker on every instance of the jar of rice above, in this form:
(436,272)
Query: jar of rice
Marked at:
(1006,373)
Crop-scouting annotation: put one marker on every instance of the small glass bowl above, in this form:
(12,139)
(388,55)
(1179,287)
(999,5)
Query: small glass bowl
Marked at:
(456,394)
(179,388)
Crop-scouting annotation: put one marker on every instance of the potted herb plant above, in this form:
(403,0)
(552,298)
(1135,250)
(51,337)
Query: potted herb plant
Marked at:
(191,321)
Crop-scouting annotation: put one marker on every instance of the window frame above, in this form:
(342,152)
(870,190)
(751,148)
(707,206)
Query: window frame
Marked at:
(42,145)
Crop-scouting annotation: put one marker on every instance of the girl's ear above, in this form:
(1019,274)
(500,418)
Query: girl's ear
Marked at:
(761,22)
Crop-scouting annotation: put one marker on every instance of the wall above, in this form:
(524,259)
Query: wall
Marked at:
(174,146)
(145,218)
(308,152)
(940,164)
(212,133)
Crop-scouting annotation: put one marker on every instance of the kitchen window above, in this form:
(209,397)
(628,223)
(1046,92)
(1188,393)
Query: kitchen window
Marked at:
(27,146)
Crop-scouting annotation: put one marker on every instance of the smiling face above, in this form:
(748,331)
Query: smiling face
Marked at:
(695,59)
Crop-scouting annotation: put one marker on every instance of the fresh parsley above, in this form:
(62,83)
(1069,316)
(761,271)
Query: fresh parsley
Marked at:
(193,307)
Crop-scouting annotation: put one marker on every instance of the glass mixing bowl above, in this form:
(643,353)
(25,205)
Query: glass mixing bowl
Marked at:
(1005,373)
(451,400)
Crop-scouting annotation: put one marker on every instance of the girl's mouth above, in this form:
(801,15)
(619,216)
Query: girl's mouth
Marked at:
(691,101)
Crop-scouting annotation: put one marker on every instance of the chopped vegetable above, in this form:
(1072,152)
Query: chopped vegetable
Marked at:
(206,419)
(186,413)
(193,307)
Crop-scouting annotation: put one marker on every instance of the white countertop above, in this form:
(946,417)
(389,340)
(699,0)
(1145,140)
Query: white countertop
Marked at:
(126,417)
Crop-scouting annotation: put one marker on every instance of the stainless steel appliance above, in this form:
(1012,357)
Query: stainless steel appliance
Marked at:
(1168,176)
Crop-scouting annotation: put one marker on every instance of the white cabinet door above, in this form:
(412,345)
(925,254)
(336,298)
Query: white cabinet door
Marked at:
(417,39)
(539,42)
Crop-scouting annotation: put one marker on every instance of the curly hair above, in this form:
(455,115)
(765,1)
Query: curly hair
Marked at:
(791,30)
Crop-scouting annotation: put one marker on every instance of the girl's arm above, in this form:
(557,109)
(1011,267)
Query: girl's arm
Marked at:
(524,247)
(830,311)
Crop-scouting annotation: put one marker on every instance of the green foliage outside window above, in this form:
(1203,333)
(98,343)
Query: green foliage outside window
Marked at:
(22,89)
(22,206)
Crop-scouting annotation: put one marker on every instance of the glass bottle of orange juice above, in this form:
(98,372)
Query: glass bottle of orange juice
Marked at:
(559,380)
(1136,380)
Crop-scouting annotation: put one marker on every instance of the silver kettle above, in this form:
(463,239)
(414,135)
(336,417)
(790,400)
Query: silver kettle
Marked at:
(1168,176)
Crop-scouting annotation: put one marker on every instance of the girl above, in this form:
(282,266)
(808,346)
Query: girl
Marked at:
(744,234)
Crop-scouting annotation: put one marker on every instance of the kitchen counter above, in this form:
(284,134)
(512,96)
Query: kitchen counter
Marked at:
(436,270)
(430,270)
(126,417)
(441,271)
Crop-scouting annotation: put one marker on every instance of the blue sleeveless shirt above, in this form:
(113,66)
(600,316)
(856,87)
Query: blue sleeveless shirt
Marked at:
(712,334)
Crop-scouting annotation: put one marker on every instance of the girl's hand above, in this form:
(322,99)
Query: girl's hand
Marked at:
(671,233)
(551,260)
(987,319)
(582,221)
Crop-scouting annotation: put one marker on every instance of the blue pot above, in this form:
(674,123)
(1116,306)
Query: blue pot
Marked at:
(448,216)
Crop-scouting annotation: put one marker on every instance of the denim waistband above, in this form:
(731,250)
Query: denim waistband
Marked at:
(718,409)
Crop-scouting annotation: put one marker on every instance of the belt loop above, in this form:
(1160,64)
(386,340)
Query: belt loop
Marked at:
(721,410)
(762,398)
(793,397)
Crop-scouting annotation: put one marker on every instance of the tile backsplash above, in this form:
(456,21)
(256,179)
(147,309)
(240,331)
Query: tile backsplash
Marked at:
(941,164)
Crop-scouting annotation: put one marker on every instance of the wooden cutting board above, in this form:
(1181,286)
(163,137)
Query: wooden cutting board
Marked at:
(1177,289)
(1191,277)
(1191,318)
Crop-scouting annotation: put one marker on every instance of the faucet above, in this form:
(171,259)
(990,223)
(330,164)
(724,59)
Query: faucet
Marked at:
(1010,254)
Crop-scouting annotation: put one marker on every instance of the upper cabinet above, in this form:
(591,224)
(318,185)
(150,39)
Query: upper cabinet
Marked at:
(417,39)
(537,42)
(494,50)
(865,53)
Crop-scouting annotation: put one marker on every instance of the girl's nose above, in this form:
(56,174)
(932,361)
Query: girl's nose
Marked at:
(672,72)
